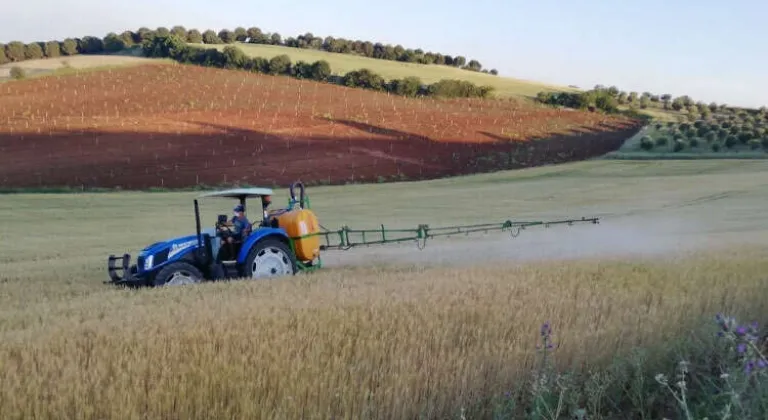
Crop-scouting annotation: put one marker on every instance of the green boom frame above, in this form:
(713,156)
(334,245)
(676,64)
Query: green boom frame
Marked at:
(341,238)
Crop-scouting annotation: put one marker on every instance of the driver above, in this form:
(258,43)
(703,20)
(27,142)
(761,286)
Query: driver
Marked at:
(241,225)
(240,222)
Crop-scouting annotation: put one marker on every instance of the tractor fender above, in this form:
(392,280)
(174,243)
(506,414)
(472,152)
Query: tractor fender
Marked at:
(258,235)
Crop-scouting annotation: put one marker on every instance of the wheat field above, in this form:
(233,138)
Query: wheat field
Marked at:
(385,333)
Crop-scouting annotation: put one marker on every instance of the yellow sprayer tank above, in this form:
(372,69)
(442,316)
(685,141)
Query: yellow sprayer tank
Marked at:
(299,222)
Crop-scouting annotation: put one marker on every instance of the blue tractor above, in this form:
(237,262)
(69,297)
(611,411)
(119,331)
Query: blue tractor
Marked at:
(278,243)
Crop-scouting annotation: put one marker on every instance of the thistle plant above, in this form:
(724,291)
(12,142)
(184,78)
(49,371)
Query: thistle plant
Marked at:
(744,367)
(745,340)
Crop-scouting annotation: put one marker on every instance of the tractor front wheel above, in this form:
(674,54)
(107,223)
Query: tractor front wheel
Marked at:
(270,258)
(178,273)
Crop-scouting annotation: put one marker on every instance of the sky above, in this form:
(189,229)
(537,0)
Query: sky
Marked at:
(710,50)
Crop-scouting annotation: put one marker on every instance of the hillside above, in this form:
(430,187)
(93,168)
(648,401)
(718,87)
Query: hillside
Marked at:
(428,73)
(169,125)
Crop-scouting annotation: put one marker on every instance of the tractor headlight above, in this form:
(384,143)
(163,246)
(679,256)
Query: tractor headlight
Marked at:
(148,262)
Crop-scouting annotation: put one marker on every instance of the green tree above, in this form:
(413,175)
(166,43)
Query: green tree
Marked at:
(474,65)
(409,86)
(645,101)
(33,51)
(240,34)
(128,38)
(15,51)
(162,31)
(69,47)
(280,64)
(227,36)
(194,36)
(3,58)
(113,43)
(169,46)
(257,64)
(321,70)
(234,58)
(364,78)
(210,37)
(52,49)
(179,31)
(90,45)
(143,34)
(256,36)
(745,136)
(646,143)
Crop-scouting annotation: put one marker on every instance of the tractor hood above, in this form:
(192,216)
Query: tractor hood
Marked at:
(161,252)
(177,245)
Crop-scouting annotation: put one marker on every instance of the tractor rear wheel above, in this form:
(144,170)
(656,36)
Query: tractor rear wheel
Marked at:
(177,274)
(270,258)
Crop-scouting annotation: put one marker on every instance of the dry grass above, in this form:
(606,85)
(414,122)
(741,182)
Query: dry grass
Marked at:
(73,64)
(390,341)
(349,343)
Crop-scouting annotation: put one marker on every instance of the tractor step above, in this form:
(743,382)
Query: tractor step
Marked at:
(225,270)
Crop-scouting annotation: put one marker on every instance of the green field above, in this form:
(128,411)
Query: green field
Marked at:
(376,335)
(343,63)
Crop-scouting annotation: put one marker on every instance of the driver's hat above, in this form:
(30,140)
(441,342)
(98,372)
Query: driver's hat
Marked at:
(239,207)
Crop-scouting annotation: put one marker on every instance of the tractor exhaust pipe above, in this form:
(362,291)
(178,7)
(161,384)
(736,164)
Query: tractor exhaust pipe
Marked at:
(200,249)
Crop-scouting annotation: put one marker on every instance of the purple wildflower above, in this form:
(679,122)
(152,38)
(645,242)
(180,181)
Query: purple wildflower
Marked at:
(741,348)
(749,367)
(545,329)
(761,364)
(741,331)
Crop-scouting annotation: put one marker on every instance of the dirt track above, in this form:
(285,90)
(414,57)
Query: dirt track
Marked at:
(174,126)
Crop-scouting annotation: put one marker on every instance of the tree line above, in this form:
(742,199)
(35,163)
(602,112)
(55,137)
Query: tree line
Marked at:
(231,57)
(17,51)
(608,99)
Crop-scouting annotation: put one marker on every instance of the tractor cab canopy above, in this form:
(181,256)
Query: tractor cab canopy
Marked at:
(242,194)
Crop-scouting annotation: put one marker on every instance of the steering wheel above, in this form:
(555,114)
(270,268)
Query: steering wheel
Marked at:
(224,230)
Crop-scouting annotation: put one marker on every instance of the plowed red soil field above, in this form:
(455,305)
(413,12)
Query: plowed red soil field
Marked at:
(164,125)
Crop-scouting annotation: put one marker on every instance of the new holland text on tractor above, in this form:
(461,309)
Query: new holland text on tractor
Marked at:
(281,242)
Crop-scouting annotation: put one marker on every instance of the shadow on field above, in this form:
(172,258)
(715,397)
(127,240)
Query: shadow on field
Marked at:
(221,154)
